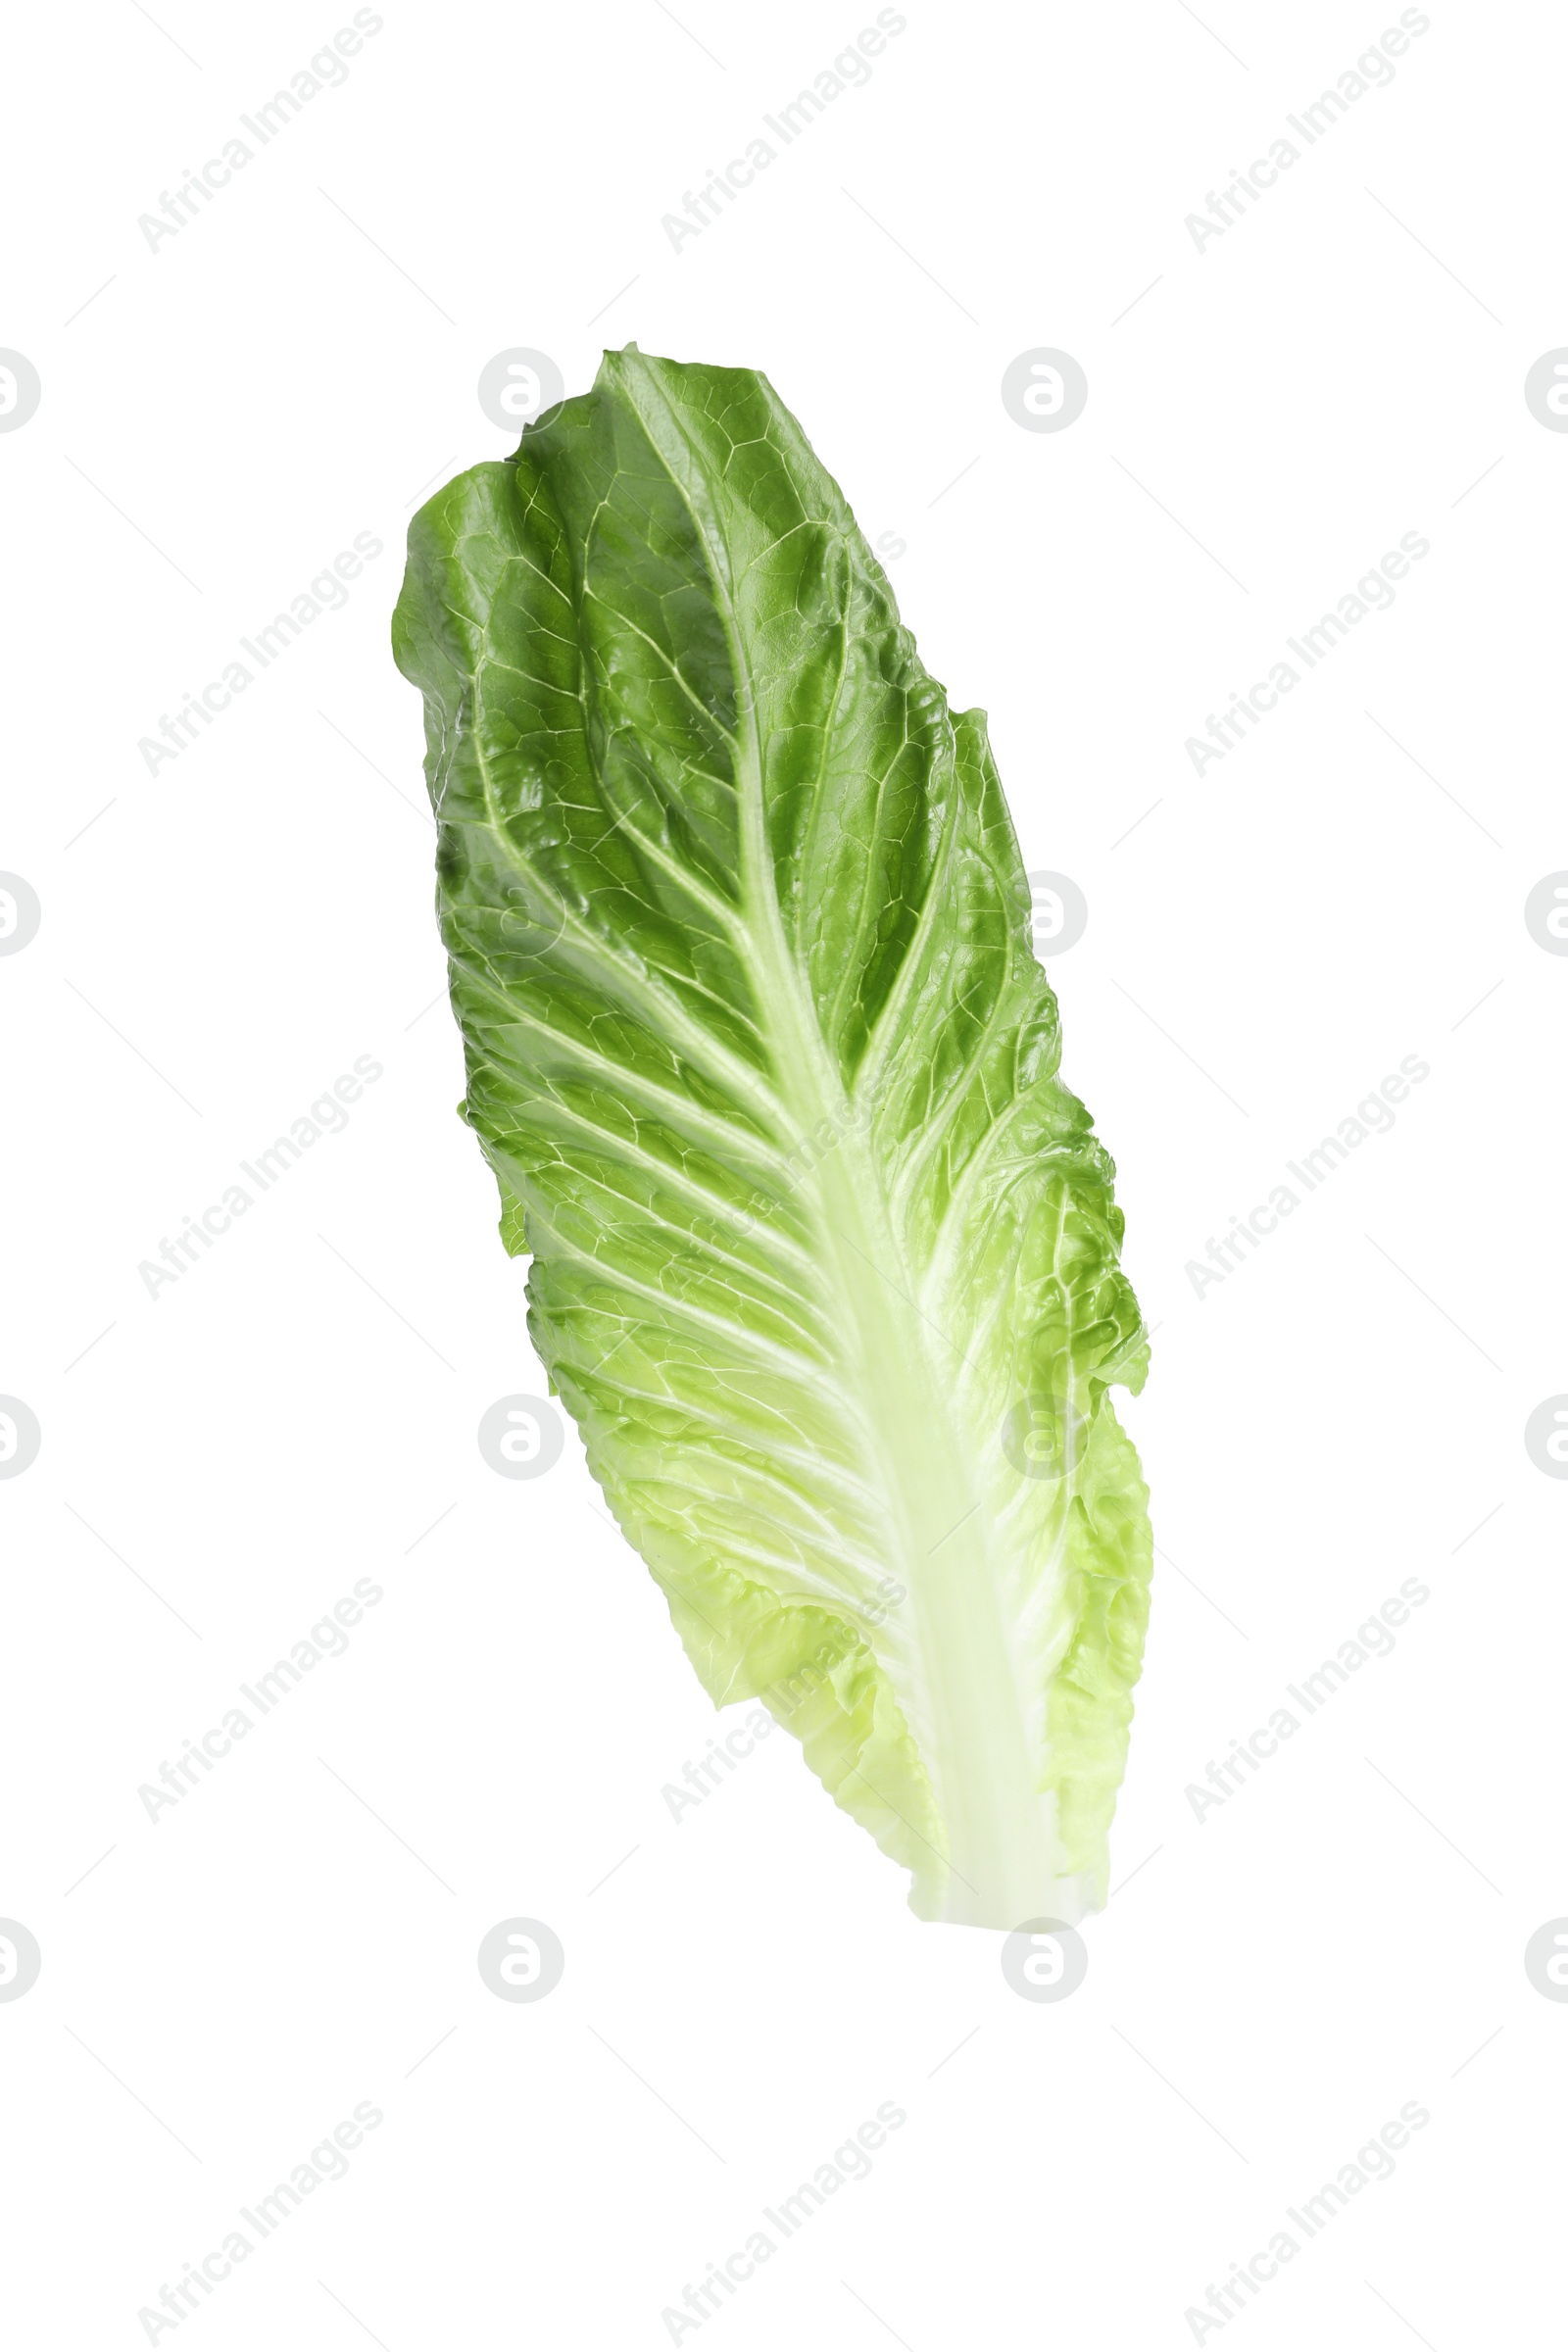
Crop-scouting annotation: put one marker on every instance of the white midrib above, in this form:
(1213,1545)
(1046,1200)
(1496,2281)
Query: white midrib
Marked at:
(998,1843)
(1000,1850)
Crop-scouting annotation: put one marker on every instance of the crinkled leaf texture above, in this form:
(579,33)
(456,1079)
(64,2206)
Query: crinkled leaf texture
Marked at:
(824,1255)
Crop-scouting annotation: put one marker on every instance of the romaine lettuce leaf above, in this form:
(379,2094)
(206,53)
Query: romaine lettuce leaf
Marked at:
(824,1255)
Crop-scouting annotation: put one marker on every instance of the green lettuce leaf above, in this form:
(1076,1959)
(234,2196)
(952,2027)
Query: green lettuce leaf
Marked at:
(824,1255)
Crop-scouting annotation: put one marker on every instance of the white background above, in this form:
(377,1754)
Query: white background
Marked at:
(1345,1934)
